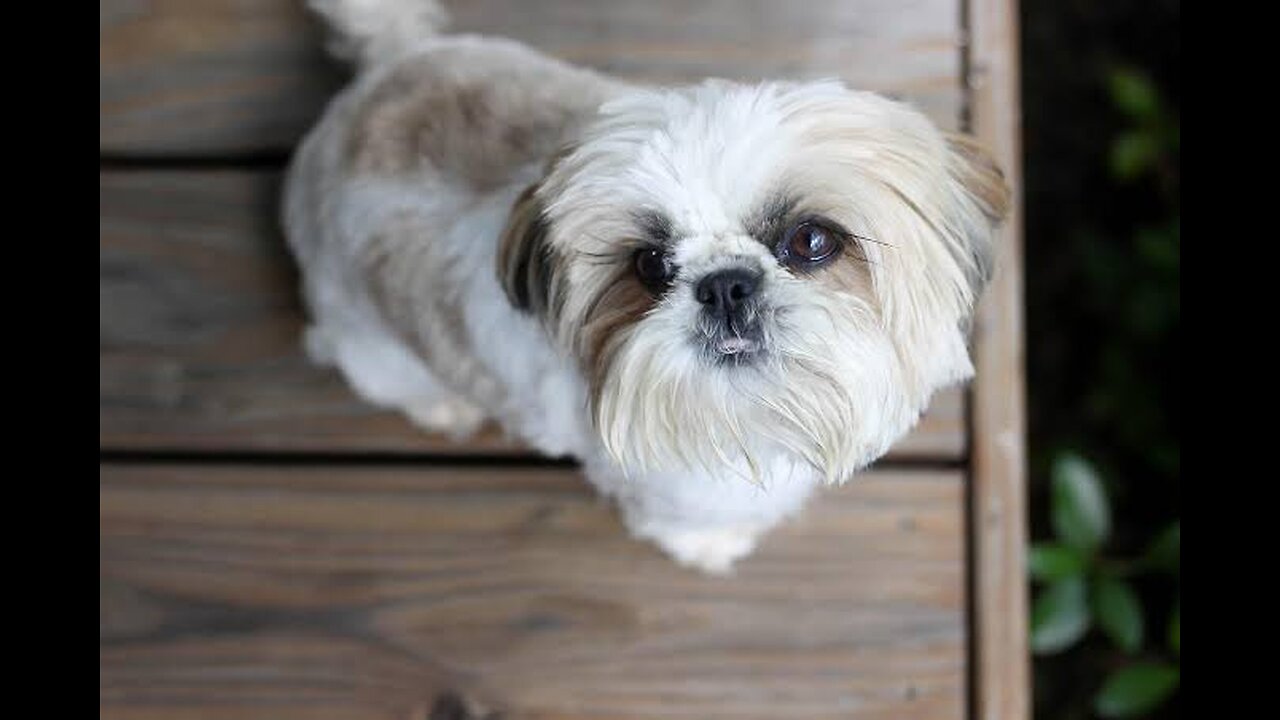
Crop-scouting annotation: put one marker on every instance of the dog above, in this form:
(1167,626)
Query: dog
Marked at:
(716,297)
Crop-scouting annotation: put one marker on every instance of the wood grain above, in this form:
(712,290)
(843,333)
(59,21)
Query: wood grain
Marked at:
(998,505)
(208,77)
(199,327)
(320,592)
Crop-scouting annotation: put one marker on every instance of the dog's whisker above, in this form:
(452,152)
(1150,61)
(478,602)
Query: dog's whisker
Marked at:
(864,238)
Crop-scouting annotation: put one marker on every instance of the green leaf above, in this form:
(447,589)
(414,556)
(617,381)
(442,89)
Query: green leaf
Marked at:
(1119,613)
(1175,628)
(1059,617)
(1134,94)
(1165,551)
(1133,153)
(1052,561)
(1136,690)
(1081,516)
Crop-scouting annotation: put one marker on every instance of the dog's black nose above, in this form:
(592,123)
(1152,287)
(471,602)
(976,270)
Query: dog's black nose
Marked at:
(726,290)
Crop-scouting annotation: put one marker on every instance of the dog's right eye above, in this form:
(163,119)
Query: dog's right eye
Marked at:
(654,268)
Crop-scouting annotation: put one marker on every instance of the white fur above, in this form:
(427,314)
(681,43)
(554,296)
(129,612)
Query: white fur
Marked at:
(701,459)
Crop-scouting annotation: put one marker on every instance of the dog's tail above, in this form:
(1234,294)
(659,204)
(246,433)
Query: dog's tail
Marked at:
(371,32)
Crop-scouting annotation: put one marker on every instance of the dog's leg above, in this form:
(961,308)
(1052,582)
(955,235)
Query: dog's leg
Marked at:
(446,413)
(703,523)
(713,549)
(383,372)
(319,346)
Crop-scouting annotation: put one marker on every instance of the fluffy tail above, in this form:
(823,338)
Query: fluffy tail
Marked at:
(371,32)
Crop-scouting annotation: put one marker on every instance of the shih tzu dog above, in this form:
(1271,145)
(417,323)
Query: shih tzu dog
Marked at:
(716,297)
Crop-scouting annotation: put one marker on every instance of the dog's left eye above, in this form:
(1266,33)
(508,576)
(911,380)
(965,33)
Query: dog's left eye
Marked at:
(809,243)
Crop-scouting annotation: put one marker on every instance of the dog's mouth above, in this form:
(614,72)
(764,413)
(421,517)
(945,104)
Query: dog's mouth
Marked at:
(733,347)
(736,346)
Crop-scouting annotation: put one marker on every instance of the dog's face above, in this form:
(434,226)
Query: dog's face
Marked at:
(743,271)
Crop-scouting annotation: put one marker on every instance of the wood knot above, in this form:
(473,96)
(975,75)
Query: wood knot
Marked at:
(451,705)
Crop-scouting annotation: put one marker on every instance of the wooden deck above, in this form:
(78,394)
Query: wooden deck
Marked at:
(273,548)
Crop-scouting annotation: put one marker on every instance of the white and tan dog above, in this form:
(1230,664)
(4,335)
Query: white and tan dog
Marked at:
(716,297)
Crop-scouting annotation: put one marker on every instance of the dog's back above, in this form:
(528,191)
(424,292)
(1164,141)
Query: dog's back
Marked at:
(394,201)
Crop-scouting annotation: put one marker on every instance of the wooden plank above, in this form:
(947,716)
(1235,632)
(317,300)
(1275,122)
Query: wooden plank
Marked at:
(200,326)
(188,77)
(321,592)
(208,76)
(998,504)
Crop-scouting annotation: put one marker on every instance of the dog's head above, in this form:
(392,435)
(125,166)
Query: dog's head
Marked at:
(746,270)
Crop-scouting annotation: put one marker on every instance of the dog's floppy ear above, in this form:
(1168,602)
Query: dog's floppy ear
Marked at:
(984,197)
(527,265)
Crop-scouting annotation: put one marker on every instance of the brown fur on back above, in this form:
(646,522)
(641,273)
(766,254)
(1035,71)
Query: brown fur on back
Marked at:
(445,110)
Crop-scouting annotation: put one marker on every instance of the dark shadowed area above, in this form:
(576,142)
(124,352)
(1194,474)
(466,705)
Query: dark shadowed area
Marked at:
(1101,88)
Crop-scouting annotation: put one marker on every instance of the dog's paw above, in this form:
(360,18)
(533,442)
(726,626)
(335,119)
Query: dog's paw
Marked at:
(452,416)
(713,551)
(319,346)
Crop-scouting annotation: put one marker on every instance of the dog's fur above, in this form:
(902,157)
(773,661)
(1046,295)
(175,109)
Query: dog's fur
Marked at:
(467,216)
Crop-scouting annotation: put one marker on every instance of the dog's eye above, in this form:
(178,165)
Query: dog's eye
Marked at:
(653,267)
(808,244)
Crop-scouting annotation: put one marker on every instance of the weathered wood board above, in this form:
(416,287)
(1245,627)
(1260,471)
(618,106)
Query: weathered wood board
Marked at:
(311,591)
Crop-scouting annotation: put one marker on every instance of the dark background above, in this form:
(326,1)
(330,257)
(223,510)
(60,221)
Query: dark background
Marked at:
(1101,101)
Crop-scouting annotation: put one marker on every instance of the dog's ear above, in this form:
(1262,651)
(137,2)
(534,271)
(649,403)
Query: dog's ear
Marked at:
(983,198)
(527,265)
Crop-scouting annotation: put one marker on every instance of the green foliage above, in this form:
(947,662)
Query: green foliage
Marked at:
(1053,561)
(1133,94)
(1132,284)
(1136,690)
(1060,616)
(1133,153)
(1151,135)
(1119,612)
(1081,518)
(1085,588)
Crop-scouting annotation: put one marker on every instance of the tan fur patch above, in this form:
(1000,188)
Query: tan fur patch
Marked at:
(430,114)
(850,274)
(620,304)
(980,176)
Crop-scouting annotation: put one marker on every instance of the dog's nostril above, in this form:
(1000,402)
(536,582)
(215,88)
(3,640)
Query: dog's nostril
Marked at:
(723,291)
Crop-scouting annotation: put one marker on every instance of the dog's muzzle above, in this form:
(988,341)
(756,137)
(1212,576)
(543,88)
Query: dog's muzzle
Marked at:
(729,327)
